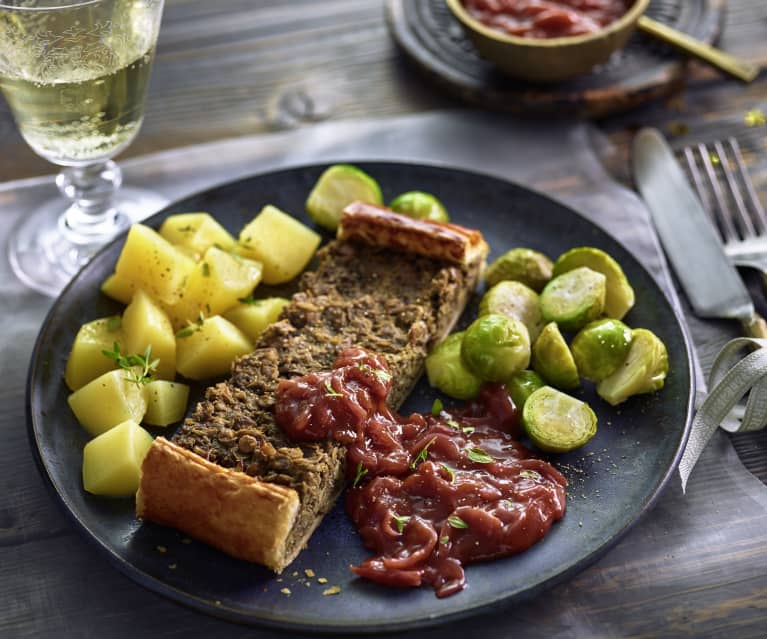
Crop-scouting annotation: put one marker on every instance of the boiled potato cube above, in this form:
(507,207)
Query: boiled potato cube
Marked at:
(165,402)
(197,232)
(208,349)
(218,281)
(280,242)
(146,324)
(253,316)
(112,461)
(86,359)
(152,263)
(118,288)
(108,400)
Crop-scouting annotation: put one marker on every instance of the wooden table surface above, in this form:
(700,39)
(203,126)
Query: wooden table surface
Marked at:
(241,68)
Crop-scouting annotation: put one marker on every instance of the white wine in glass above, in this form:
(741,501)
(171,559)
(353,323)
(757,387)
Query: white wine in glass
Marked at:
(75,75)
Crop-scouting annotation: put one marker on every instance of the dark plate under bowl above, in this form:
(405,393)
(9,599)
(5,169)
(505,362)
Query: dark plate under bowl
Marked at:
(613,479)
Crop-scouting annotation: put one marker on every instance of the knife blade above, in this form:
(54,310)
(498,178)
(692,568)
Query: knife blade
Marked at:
(712,284)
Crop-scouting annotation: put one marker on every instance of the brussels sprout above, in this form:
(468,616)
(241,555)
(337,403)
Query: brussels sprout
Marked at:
(447,372)
(515,300)
(574,298)
(336,188)
(556,422)
(420,205)
(643,371)
(495,347)
(522,384)
(523,265)
(552,359)
(600,347)
(619,294)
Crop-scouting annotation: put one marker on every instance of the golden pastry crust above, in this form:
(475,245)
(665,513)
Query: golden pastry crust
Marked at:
(230,510)
(378,226)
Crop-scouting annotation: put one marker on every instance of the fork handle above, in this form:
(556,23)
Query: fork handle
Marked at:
(755,326)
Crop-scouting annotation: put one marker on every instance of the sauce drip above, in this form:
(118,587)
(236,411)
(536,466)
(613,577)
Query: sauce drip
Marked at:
(430,493)
(547,18)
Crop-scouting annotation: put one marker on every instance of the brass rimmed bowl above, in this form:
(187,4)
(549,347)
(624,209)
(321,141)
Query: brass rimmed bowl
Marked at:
(548,59)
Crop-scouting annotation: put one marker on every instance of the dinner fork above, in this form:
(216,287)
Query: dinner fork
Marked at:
(727,193)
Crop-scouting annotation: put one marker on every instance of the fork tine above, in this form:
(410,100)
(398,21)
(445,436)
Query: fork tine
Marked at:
(747,225)
(727,225)
(759,215)
(697,180)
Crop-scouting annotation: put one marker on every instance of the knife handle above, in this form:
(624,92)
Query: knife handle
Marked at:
(755,326)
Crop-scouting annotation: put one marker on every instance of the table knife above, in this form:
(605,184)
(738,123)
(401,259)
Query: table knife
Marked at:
(712,284)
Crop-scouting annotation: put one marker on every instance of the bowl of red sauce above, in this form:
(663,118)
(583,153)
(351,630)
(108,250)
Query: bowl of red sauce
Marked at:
(548,40)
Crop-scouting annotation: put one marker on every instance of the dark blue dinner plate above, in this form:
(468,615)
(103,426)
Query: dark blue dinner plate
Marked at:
(613,479)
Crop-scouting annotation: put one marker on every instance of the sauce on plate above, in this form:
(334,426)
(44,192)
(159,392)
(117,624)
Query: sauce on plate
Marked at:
(547,18)
(429,492)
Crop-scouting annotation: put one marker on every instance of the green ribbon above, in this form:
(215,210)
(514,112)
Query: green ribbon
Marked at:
(732,378)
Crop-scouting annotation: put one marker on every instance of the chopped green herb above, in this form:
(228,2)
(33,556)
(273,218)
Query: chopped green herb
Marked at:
(361,472)
(468,430)
(449,471)
(444,540)
(453,424)
(131,362)
(206,269)
(714,157)
(436,407)
(381,374)
(250,300)
(330,391)
(192,328)
(529,474)
(480,456)
(456,522)
(421,457)
(401,521)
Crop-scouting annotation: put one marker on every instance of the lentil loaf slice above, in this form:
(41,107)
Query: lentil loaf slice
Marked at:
(388,301)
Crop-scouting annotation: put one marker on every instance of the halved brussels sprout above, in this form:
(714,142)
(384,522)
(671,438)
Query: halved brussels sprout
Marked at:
(556,422)
(552,359)
(523,265)
(337,187)
(495,347)
(643,371)
(516,300)
(619,294)
(574,298)
(420,205)
(522,385)
(600,347)
(447,372)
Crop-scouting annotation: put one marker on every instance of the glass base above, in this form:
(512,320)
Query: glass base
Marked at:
(45,259)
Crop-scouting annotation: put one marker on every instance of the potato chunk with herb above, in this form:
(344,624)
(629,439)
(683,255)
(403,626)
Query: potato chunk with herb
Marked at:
(216,284)
(146,324)
(148,261)
(112,461)
(108,400)
(280,242)
(253,316)
(196,232)
(165,402)
(86,359)
(208,348)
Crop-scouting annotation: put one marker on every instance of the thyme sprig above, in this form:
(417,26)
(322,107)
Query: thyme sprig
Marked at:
(133,361)
(361,472)
(421,457)
(192,327)
(330,391)
(400,520)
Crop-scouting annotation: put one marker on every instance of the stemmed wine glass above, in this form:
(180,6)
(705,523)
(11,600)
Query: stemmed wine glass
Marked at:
(75,75)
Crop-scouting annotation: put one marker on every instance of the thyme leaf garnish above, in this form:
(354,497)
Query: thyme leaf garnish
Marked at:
(449,471)
(401,520)
(250,300)
(436,407)
(444,540)
(330,392)
(381,374)
(192,327)
(129,363)
(468,430)
(529,474)
(480,456)
(421,457)
(456,522)
(453,424)
(361,472)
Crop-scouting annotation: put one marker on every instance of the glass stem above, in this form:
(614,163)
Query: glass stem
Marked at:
(92,216)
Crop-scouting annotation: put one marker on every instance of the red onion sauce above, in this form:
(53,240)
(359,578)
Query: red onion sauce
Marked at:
(547,18)
(430,493)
